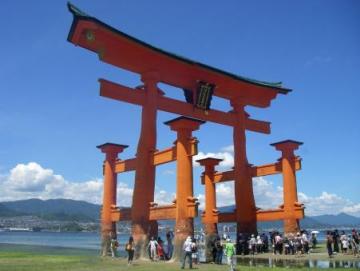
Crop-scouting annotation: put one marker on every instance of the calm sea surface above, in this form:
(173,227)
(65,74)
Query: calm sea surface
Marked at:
(89,240)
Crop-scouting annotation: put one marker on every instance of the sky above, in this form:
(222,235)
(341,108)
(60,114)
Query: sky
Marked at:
(52,117)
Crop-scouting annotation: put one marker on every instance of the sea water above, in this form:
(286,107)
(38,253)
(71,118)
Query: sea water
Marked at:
(88,240)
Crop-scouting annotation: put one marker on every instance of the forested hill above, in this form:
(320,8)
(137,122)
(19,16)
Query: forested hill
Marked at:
(53,209)
(72,210)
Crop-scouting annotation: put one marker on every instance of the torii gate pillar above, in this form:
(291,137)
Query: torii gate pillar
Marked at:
(244,196)
(109,197)
(288,160)
(184,224)
(210,212)
(144,186)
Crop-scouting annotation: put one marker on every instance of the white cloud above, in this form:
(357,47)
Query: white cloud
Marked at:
(201,199)
(268,196)
(328,203)
(227,163)
(353,209)
(225,194)
(31,180)
(229,148)
(31,177)
(164,197)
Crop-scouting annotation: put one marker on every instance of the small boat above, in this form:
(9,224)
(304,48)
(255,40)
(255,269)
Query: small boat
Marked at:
(20,229)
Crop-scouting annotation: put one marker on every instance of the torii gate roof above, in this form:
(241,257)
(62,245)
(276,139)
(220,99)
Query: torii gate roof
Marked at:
(124,51)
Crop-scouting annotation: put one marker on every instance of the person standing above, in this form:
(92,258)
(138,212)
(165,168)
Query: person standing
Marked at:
(195,251)
(313,240)
(259,244)
(229,252)
(187,251)
(113,245)
(305,242)
(130,249)
(160,249)
(336,238)
(153,246)
(252,244)
(355,243)
(219,251)
(170,246)
(278,243)
(344,242)
(329,242)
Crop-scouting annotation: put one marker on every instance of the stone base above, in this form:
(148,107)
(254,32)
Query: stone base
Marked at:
(183,229)
(106,233)
(142,232)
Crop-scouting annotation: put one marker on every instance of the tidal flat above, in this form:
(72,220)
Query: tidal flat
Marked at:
(34,258)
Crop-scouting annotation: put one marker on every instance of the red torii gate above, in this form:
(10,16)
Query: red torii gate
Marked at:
(290,211)
(158,66)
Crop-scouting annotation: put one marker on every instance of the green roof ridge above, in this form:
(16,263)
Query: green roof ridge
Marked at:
(76,11)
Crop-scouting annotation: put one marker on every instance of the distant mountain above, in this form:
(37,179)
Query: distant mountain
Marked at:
(341,219)
(55,209)
(322,221)
(72,210)
(6,212)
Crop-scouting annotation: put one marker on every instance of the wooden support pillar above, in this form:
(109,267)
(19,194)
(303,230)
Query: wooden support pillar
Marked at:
(184,224)
(244,196)
(208,220)
(144,187)
(288,164)
(108,227)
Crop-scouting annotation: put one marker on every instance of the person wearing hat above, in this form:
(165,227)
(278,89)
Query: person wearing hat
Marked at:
(187,251)
(229,252)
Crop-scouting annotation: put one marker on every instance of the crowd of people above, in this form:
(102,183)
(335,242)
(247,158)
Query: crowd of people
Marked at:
(158,250)
(273,242)
(291,244)
(336,242)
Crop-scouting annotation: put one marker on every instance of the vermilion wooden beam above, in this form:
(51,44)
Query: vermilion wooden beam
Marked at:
(165,156)
(160,157)
(122,93)
(224,176)
(125,165)
(277,214)
(256,171)
(164,212)
(123,214)
(261,215)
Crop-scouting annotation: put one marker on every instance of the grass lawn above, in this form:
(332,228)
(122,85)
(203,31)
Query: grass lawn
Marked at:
(31,258)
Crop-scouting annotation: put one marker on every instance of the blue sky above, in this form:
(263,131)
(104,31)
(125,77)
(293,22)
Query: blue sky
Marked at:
(52,117)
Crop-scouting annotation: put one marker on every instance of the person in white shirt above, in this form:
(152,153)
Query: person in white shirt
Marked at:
(252,244)
(305,242)
(187,251)
(344,242)
(259,244)
(152,246)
